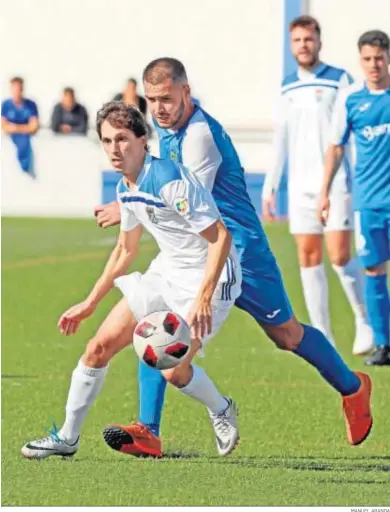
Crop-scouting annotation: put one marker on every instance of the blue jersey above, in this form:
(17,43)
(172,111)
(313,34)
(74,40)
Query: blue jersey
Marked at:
(366,114)
(207,151)
(19,114)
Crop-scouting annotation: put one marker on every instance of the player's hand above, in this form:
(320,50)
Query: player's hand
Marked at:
(323,209)
(269,208)
(70,321)
(108,214)
(199,318)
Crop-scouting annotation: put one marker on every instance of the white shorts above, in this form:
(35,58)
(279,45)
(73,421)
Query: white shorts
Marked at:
(303,215)
(149,292)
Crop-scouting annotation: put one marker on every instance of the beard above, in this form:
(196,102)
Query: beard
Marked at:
(177,116)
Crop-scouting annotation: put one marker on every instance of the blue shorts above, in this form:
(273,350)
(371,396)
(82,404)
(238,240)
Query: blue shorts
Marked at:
(372,236)
(263,294)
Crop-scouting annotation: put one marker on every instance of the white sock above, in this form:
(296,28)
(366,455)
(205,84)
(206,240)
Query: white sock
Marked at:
(351,279)
(202,388)
(85,386)
(315,290)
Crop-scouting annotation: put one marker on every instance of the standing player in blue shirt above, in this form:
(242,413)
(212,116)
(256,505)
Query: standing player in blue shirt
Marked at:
(190,136)
(19,120)
(364,111)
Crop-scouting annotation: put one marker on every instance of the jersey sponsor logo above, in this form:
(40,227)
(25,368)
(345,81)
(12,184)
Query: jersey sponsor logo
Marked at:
(150,211)
(371,132)
(182,206)
(364,107)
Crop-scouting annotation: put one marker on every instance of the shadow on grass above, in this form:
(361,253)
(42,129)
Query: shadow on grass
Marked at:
(375,463)
(18,376)
(301,463)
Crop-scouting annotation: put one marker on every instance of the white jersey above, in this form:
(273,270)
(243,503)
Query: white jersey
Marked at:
(174,207)
(302,132)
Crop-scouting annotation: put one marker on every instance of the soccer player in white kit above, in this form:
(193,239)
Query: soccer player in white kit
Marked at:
(301,137)
(196,274)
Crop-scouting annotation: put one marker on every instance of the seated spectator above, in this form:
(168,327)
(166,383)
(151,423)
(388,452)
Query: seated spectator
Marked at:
(19,120)
(130,96)
(69,116)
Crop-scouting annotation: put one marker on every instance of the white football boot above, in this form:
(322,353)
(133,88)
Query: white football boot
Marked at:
(225,428)
(364,339)
(48,446)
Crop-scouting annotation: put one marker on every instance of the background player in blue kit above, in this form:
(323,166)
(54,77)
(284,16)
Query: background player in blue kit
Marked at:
(364,111)
(192,137)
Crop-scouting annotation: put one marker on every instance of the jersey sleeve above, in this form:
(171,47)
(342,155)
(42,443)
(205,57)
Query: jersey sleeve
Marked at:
(191,200)
(128,219)
(200,154)
(340,128)
(345,80)
(33,109)
(280,141)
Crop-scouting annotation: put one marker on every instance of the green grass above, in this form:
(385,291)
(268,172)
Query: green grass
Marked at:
(293,449)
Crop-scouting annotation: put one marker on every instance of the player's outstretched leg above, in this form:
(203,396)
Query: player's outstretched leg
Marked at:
(355,388)
(87,380)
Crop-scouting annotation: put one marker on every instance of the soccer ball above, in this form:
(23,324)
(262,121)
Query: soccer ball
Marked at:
(162,339)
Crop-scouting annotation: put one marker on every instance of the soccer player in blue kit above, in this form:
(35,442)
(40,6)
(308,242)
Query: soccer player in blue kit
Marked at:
(364,111)
(188,135)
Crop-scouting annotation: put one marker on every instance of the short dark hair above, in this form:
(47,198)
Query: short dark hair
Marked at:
(120,115)
(375,38)
(164,68)
(17,79)
(132,81)
(69,90)
(305,21)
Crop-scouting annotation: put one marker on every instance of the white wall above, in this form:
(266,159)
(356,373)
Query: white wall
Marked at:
(232,50)
(67,183)
(342,22)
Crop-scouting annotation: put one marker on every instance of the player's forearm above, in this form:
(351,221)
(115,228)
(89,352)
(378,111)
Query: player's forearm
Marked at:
(28,128)
(273,176)
(333,158)
(116,266)
(218,252)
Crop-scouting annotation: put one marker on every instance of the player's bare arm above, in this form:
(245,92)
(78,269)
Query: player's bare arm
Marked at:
(120,259)
(220,242)
(333,158)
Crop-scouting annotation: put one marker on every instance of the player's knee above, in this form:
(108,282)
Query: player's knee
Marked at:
(309,258)
(286,336)
(96,354)
(340,258)
(378,270)
(178,377)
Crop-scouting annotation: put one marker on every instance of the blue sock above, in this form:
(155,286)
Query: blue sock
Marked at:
(152,387)
(317,351)
(378,308)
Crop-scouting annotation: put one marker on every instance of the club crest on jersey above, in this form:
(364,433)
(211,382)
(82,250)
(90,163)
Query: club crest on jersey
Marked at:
(182,206)
(151,214)
(173,155)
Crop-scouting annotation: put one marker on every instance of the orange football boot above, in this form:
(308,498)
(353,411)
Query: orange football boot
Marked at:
(357,411)
(134,439)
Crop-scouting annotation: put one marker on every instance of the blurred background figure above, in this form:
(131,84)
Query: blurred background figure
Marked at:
(19,120)
(130,96)
(69,116)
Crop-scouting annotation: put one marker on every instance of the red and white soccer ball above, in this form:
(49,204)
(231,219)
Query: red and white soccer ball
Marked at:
(162,339)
